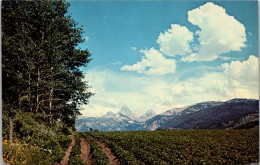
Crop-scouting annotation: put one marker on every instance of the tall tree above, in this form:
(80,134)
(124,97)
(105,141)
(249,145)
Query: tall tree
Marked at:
(41,60)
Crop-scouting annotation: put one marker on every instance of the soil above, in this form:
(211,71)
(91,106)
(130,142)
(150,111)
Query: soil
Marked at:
(85,152)
(112,159)
(66,158)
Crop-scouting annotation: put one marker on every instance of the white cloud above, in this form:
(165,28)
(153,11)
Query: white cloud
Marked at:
(86,38)
(95,110)
(113,90)
(225,58)
(116,63)
(175,41)
(219,32)
(244,73)
(237,79)
(190,58)
(133,48)
(153,63)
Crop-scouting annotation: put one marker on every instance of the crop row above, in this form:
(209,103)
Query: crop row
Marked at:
(100,158)
(133,148)
(125,157)
(75,153)
(187,147)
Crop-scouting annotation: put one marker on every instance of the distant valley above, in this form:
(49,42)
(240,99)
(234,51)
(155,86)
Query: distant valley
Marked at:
(232,114)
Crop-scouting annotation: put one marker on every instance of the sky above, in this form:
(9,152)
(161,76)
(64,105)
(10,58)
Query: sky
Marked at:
(161,55)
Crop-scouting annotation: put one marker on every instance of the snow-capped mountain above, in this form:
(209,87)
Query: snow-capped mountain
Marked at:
(109,114)
(127,112)
(124,120)
(160,119)
(235,113)
(163,118)
(149,114)
(116,122)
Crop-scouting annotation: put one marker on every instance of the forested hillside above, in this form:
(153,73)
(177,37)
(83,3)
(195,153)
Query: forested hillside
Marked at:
(42,84)
(221,116)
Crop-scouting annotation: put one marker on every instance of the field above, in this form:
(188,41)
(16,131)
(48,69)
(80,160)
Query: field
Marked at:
(182,146)
(148,147)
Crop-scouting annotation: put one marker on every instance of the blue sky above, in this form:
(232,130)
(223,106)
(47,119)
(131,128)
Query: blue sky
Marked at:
(164,54)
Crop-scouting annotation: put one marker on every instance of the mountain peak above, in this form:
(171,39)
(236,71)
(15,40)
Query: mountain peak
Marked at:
(109,114)
(127,112)
(125,109)
(149,114)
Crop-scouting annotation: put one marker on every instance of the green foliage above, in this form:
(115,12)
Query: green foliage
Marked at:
(40,60)
(75,158)
(185,146)
(43,87)
(49,143)
(23,153)
(124,156)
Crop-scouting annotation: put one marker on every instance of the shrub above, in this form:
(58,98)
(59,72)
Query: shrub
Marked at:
(37,141)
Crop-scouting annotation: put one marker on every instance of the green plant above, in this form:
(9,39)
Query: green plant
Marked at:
(100,158)
(75,158)
(47,142)
(185,146)
(124,156)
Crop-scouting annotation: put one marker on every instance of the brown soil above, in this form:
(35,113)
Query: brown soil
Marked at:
(112,159)
(85,152)
(66,159)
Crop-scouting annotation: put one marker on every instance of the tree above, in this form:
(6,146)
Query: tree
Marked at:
(41,61)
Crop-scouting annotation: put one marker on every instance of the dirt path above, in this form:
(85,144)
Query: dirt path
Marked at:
(112,159)
(65,159)
(85,152)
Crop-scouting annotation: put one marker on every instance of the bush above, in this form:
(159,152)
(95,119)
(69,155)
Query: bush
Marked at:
(31,131)
(23,153)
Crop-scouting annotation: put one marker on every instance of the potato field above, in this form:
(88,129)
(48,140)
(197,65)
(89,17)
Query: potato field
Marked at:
(176,147)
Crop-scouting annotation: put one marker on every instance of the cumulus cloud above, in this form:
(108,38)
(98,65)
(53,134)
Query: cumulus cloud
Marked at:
(113,90)
(245,72)
(237,79)
(95,110)
(153,63)
(175,41)
(219,32)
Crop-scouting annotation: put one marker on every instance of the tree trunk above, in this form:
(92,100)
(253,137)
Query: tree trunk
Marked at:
(29,93)
(37,91)
(50,104)
(11,130)
(51,97)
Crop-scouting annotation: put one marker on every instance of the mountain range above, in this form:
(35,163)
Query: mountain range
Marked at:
(232,114)
(124,120)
